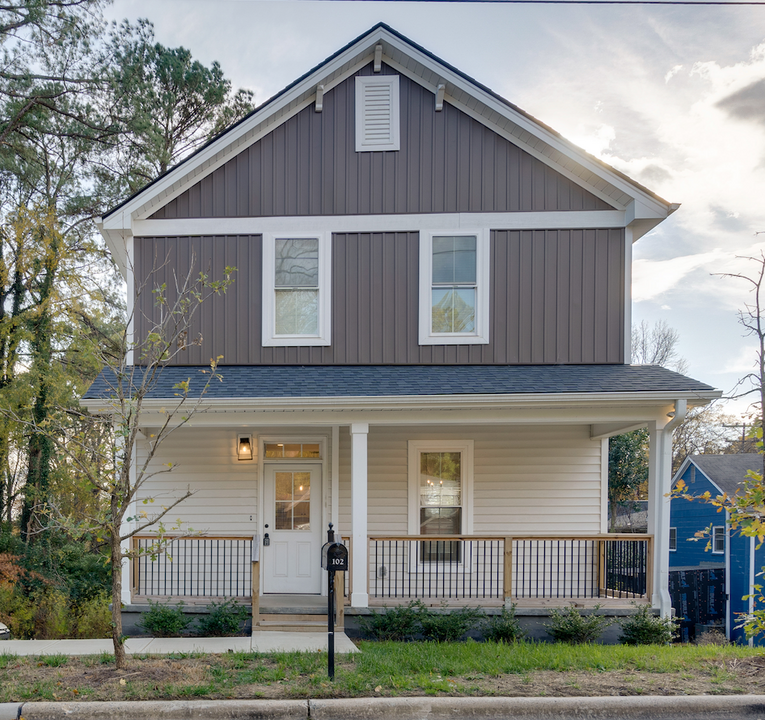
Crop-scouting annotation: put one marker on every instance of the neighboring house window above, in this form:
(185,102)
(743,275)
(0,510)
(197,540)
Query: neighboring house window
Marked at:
(440,493)
(673,539)
(296,289)
(718,539)
(377,113)
(454,288)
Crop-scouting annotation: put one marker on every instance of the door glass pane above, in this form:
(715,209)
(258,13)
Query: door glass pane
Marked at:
(292,500)
(297,312)
(283,483)
(283,516)
(297,262)
(274,450)
(311,450)
(292,450)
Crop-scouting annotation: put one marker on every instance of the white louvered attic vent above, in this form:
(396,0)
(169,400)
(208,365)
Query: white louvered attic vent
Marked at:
(377,113)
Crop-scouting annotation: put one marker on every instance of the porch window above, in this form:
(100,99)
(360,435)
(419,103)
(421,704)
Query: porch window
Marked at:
(292,450)
(454,288)
(440,481)
(296,287)
(718,539)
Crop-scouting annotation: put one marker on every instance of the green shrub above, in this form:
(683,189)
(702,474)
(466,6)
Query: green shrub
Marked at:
(645,628)
(397,623)
(448,626)
(226,618)
(17,611)
(93,617)
(503,628)
(53,616)
(572,626)
(164,621)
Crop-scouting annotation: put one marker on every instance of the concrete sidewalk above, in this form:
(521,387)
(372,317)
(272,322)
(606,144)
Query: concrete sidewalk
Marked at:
(259,642)
(712,707)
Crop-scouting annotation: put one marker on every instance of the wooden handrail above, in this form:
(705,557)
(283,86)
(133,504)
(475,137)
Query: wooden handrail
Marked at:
(635,537)
(194,537)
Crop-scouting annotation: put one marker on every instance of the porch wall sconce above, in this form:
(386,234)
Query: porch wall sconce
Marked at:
(244,447)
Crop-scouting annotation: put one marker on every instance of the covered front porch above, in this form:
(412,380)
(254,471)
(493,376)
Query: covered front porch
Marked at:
(493,495)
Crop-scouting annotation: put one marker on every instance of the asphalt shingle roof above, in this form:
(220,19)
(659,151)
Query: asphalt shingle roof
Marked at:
(728,471)
(289,381)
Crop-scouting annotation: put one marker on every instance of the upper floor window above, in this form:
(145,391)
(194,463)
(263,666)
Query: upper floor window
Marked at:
(296,289)
(454,288)
(377,113)
(718,539)
(673,538)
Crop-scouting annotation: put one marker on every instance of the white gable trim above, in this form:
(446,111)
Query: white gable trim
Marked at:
(523,131)
(684,467)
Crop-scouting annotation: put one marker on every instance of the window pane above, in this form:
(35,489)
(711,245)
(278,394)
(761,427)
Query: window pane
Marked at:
(297,262)
(440,521)
(291,450)
(302,486)
(454,260)
(453,310)
(283,516)
(283,486)
(297,312)
(311,450)
(302,516)
(274,450)
(440,479)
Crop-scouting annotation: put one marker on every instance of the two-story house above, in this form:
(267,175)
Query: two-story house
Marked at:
(427,343)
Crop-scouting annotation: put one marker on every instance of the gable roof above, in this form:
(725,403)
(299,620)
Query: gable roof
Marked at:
(727,472)
(643,209)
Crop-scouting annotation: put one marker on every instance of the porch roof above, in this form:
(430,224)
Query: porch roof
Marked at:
(344,381)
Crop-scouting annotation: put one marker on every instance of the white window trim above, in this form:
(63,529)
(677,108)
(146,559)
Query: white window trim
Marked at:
(462,446)
(672,549)
(481,334)
(324,336)
(721,529)
(395,114)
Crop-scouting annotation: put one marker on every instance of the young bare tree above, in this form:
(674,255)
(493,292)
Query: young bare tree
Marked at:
(657,345)
(111,466)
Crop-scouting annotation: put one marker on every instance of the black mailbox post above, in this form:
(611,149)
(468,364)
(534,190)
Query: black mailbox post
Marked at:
(334,557)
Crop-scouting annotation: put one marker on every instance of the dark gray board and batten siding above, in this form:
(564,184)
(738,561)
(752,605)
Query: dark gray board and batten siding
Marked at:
(448,163)
(557,297)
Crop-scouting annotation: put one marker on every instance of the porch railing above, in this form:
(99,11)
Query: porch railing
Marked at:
(510,568)
(194,567)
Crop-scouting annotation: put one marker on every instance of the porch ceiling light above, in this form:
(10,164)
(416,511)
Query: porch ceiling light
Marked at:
(244,450)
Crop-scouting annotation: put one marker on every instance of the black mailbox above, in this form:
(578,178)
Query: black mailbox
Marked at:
(334,556)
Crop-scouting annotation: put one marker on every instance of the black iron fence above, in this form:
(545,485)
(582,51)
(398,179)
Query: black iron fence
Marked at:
(193,567)
(511,568)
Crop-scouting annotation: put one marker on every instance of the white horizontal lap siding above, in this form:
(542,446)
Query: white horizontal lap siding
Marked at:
(537,480)
(527,480)
(224,488)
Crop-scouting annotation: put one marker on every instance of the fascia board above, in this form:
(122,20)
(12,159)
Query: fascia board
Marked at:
(525,123)
(206,160)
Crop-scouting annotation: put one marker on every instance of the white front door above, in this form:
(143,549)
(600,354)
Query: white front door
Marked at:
(292,503)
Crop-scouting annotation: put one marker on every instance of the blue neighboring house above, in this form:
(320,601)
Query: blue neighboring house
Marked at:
(722,549)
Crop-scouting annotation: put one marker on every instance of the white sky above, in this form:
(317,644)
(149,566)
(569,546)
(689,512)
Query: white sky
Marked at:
(672,95)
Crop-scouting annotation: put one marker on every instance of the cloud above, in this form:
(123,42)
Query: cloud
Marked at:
(653,278)
(747,103)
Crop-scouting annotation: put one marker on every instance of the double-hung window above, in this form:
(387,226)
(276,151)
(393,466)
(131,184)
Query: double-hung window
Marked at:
(296,289)
(454,288)
(673,539)
(718,539)
(440,493)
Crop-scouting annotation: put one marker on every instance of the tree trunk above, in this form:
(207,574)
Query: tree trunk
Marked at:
(612,524)
(120,657)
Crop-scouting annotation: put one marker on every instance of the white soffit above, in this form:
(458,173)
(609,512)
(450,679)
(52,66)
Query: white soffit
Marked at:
(522,130)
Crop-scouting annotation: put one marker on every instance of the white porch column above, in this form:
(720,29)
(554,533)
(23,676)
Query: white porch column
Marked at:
(126,527)
(359,595)
(659,487)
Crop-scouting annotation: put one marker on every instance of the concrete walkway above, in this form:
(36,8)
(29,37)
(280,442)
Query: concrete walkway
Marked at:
(735,707)
(259,642)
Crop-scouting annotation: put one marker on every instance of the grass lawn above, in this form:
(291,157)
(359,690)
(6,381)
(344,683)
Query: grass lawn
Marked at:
(390,669)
